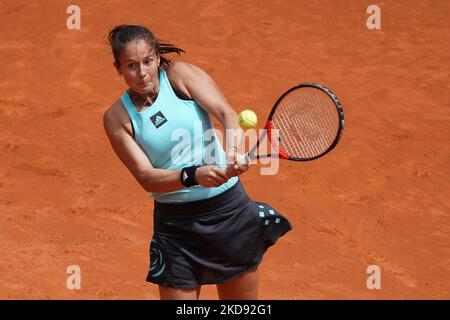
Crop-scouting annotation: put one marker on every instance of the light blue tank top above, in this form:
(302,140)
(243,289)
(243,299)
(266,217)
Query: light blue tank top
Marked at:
(176,133)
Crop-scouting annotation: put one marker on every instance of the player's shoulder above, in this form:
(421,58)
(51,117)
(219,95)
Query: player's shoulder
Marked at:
(115,114)
(112,112)
(183,70)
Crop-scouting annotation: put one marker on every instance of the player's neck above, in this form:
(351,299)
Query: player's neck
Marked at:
(141,101)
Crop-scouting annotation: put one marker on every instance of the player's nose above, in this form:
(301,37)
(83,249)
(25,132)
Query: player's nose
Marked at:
(142,71)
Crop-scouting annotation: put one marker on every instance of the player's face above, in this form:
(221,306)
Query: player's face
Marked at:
(139,67)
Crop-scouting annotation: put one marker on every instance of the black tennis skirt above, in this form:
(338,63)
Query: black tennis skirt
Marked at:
(213,240)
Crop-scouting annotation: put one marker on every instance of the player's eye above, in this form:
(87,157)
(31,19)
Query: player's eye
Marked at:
(131,66)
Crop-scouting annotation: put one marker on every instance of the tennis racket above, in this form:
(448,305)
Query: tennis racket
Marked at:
(305,123)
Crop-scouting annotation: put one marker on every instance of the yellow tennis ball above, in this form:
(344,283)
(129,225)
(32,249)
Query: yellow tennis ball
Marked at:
(247,119)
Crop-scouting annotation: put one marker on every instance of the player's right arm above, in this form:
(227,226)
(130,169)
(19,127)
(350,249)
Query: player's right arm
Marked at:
(118,129)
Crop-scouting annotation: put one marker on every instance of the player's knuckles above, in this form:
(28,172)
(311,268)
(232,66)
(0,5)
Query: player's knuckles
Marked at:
(217,169)
(214,184)
(219,179)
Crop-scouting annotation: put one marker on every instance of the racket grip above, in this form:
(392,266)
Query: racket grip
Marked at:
(244,158)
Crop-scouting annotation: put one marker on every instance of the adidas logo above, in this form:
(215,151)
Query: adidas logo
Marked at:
(158,119)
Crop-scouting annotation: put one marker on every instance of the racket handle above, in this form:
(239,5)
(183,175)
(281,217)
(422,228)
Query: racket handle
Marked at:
(244,158)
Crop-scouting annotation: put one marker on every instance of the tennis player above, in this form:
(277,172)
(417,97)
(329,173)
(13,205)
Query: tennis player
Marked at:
(206,229)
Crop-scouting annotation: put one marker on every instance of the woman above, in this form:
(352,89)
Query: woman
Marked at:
(206,229)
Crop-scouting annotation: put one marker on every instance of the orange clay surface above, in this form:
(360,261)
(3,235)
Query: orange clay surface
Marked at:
(380,198)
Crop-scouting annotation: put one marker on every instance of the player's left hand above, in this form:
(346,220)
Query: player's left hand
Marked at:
(234,167)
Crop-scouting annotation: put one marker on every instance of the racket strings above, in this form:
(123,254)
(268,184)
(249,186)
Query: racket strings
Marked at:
(307,122)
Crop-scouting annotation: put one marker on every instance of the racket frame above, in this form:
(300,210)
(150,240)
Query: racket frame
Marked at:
(268,127)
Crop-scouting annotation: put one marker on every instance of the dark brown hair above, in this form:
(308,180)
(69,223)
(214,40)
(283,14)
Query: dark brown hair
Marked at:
(121,35)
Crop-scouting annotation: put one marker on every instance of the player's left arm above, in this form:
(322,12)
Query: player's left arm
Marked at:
(197,85)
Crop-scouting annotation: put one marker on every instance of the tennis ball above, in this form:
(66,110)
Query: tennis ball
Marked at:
(247,119)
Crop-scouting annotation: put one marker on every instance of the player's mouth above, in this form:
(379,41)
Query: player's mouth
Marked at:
(144,84)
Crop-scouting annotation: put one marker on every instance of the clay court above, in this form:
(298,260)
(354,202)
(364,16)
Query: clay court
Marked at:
(380,198)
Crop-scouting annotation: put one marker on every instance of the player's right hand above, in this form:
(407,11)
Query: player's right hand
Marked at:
(210,176)
(235,166)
